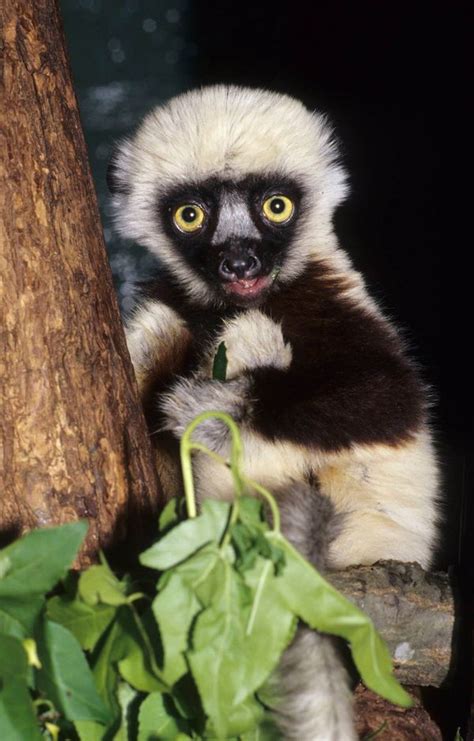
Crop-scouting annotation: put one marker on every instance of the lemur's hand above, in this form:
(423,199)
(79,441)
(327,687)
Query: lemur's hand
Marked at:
(191,396)
(254,340)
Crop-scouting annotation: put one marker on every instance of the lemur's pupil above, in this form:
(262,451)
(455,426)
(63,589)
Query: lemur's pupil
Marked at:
(277,205)
(189,214)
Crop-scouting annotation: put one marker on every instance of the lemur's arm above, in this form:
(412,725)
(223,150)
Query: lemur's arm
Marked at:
(356,393)
(158,340)
(333,409)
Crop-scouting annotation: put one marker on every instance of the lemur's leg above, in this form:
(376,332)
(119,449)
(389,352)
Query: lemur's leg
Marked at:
(311,686)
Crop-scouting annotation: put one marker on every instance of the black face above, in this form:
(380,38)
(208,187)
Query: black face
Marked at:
(235,235)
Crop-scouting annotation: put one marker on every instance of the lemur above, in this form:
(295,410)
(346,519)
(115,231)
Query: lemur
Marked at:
(234,189)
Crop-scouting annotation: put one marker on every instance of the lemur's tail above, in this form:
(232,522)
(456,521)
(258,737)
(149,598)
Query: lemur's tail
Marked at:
(311,685)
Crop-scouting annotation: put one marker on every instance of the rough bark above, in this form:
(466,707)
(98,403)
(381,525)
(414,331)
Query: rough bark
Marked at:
(72,437)
(413,610)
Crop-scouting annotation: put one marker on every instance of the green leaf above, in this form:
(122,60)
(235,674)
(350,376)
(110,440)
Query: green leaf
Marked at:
(251,513)
(322,607)
(66,678)
(245,718)
(270,625)
(265,731)
(89,731)
(135,666)
(86,622)
(38,560)
(217,664)
(249,542)
(237,642)
(188,537)
(17,717)
(126,696)
(104,670)
(100,585)
(245,545)
(174,610)
(18,616)
(200,572)
(219,366)
(157,719)
(171,514)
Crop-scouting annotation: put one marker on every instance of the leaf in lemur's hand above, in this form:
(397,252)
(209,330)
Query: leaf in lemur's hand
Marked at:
(219,366)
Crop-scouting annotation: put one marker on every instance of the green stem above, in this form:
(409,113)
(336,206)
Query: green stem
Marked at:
(215,456)
(240,481)
(271,501)
(187,446)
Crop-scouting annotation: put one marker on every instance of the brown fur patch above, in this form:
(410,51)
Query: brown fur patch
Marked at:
(349,381)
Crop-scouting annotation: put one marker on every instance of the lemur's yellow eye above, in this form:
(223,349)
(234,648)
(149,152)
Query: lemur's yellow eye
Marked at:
(189,217)
(278,208)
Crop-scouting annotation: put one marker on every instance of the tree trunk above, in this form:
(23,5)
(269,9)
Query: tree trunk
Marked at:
(73,442)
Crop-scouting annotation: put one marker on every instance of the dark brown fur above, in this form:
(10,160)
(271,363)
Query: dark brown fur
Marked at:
(349,380)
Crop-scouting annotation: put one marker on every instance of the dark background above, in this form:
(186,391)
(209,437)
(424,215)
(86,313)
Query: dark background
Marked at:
(394,80)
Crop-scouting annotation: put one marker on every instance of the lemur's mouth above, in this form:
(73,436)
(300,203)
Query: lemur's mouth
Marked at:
(248,287)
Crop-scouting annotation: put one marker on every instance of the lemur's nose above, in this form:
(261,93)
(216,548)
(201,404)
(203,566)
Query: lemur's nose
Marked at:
(239,267)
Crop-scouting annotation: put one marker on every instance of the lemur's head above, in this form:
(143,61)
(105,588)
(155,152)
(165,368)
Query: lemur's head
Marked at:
(233,188)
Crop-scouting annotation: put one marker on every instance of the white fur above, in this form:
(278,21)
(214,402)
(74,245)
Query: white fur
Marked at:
(231,132)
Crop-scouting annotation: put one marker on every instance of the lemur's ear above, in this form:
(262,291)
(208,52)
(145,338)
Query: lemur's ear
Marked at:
(114,176)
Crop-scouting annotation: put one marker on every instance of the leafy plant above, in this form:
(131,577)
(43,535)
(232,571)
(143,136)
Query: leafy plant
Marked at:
(187,659)
(40,657)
